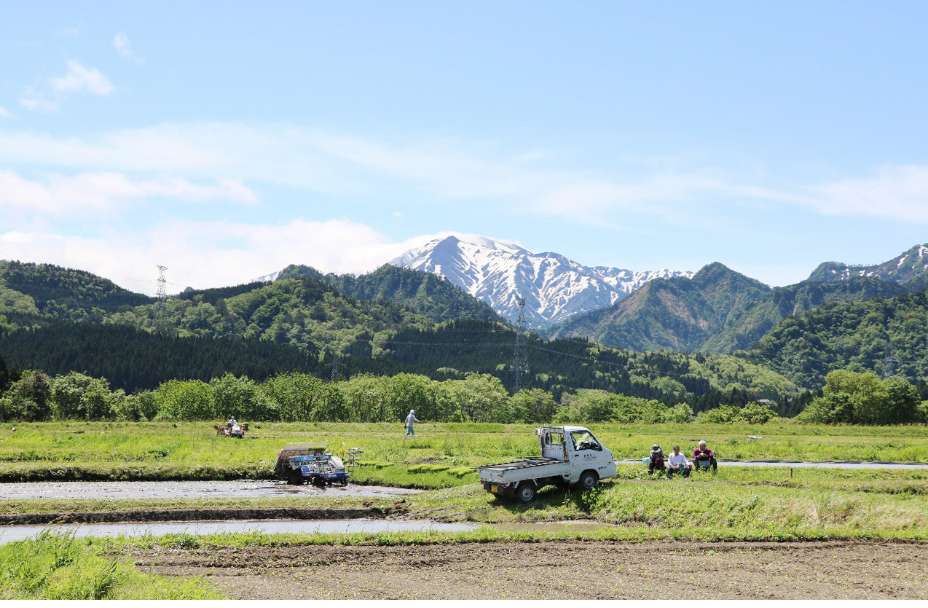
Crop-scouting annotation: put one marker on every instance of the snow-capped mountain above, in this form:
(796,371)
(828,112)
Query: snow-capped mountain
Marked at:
(555,288)
(909,266)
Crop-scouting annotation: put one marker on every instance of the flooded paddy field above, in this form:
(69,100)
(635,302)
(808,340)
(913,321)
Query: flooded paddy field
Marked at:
(139,490)
(198,528)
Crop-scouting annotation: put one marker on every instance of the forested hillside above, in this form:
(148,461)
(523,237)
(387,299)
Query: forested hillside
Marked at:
(422,292)
(33,294)
(718,310)
(132,359)
(560,365)
(887,336)
(382,323)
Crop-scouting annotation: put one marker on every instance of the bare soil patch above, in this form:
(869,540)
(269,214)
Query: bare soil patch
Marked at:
(554,570)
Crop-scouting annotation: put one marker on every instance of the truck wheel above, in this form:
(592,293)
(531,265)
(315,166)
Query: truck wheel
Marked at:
(588,480)
(526,492)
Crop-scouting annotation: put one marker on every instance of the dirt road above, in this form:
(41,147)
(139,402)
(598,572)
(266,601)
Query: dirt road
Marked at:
(549,570)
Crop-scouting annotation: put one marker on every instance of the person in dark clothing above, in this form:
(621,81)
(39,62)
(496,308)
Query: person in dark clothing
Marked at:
(656,463)
(704,458)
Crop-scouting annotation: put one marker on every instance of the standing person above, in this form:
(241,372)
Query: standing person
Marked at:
(410,421)
(704,458)
(678,463)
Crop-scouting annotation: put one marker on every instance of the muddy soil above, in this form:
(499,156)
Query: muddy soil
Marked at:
(554,570)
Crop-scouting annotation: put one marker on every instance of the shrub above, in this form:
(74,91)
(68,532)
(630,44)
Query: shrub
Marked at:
(532,405)
(241,397)
(29,398)
(723,414)
(76,396)
(186,400)
(863,398)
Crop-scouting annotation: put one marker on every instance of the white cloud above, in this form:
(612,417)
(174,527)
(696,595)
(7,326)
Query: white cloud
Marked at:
(122,46)
(210,254)
(78,78)
(898,192)
(81,79)
(315,160)
(58,194)
(34,100)
(4,113)
(448,171)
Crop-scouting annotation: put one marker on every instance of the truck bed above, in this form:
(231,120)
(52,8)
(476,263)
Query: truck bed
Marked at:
(511,473)
(521,464)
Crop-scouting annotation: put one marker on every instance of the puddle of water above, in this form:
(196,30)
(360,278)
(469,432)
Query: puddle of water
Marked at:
(10,534)
(810,465)
(243,488)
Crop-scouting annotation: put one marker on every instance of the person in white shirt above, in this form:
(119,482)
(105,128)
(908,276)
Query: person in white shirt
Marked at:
(410,421)
(678,463)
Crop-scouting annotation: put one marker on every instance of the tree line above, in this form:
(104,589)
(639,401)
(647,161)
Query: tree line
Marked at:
(296,396)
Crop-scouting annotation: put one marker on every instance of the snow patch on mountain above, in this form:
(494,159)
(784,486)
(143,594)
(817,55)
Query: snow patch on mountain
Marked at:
(908,266)
(555,288)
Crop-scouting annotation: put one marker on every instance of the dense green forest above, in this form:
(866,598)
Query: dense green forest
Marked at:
(135,359)
(702,380)
(887,336)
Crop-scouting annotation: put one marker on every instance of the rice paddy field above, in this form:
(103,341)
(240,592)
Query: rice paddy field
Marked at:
(812,507)
(441,456)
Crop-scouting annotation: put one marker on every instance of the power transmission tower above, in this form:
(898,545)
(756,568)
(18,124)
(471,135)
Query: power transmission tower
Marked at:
(335,370)
(519,357)
(162,293)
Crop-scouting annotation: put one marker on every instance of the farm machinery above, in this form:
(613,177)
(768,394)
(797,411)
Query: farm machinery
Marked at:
(304,463)
(232,430)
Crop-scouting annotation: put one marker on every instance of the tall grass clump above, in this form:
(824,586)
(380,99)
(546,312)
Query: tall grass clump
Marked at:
(60,567)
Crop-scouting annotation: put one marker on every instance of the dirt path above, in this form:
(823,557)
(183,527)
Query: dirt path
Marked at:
(569,570)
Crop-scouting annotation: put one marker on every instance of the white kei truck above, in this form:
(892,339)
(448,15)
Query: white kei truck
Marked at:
(570,455)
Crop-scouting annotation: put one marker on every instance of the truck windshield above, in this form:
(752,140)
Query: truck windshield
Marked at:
(584,440)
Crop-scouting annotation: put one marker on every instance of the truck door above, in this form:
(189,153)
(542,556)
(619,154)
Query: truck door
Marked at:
(586,448)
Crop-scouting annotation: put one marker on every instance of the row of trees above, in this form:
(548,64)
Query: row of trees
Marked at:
(848,397)
(299,396)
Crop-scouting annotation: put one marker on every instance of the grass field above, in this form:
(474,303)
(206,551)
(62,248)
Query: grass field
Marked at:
(442,456)
(63,568)
(736,504)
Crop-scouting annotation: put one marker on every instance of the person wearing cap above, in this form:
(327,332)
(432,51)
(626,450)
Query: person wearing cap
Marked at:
(410,421)
(678,463)
(704,458)
(656,463)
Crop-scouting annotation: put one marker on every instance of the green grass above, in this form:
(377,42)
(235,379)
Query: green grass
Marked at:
(735,503)
(442,456)
(64,568)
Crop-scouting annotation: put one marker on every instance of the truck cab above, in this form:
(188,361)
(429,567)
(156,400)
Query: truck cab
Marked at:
(577,446)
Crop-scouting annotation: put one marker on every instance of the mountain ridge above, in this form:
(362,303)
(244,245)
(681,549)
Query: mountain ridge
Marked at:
(501,273)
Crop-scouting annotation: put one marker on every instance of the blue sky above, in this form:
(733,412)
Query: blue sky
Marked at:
(228,139)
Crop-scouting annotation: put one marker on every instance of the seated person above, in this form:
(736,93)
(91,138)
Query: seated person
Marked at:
(703,458)
(656,463)
(678,463)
